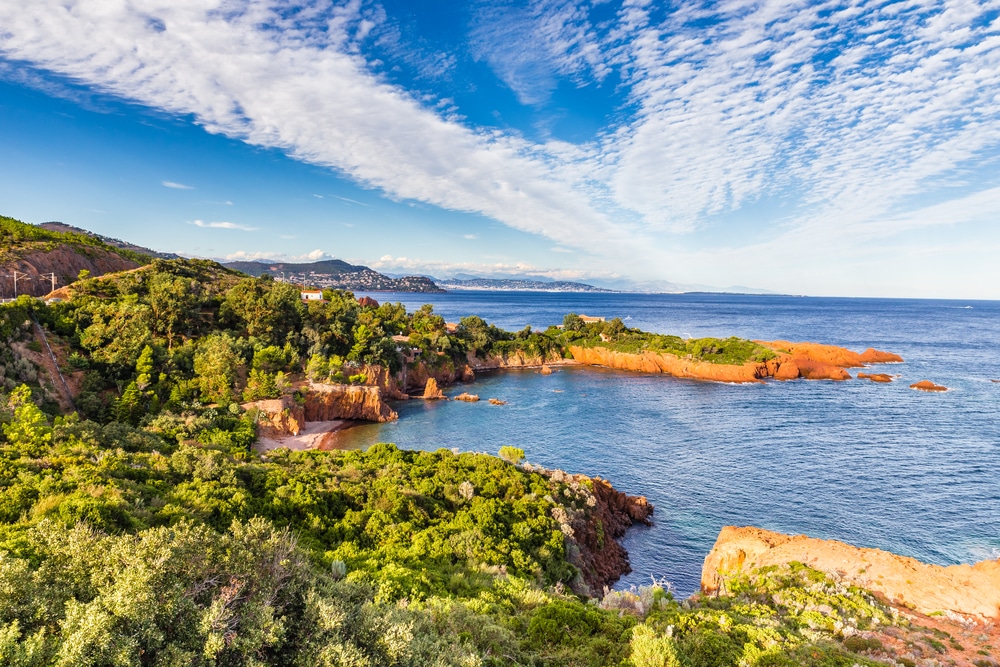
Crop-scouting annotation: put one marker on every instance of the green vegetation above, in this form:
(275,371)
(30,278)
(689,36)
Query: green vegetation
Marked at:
(17,237)
(614,335)
(143,530)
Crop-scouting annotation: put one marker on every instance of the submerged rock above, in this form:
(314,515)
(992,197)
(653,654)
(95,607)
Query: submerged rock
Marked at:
(875,377)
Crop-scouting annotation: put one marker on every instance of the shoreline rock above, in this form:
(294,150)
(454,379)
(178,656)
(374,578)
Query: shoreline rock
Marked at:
(810,361)
(432,392)
(971,591)
(593,523)
(927,385)
(875,377)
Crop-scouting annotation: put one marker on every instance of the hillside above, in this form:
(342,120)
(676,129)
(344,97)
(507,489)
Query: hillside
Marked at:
(336,274)
(39,253)
(113,242)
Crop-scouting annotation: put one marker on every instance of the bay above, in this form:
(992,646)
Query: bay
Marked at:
(873,465)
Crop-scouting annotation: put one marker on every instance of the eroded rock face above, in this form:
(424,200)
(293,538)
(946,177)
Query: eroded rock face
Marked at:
(968,590)
(927,385)
(325,402)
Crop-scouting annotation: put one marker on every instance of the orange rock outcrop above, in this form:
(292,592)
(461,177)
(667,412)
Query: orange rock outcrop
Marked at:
(432,391)
(278,417)
(325,402)
(809,361)
(467,397)
(875,377)
(969,590)
(927,385)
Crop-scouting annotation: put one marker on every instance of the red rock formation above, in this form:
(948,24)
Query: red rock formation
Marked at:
(969,590)
(467,397)
(325,402)
(831,355)
(545,370)
(431,390)
(278,417)
(795,360)
(927,385)
(875,377)
(497,401)
(367,302)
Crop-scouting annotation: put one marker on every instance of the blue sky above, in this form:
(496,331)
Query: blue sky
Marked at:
(827,148)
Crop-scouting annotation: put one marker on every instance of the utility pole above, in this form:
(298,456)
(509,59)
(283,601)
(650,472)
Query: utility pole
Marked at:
(22,276)
(53,277)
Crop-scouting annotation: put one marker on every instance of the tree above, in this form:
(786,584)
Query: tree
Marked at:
(174,302)
(266,309)
(28,429)
(215,365)
(118,331)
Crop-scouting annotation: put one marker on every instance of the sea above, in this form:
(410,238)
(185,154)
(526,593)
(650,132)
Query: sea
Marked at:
(874,465)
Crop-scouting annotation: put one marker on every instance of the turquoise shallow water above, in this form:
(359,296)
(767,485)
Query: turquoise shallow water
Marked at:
(873,465)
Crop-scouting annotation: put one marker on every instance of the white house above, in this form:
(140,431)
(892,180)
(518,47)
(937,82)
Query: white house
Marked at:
(311,295)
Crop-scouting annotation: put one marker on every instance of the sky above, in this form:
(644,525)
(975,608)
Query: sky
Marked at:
(822,148)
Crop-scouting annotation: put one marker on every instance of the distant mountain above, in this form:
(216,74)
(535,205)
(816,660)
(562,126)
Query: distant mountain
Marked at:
(336,274)
(517,285)
(63,228)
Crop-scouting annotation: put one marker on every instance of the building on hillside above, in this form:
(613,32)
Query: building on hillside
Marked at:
(588,319)
(311,295)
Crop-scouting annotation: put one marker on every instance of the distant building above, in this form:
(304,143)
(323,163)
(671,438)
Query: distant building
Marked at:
(311,295)
(588,319)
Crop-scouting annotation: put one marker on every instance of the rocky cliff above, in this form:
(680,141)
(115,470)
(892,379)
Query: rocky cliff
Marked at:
(595,518)
(338,401)
(286,416)
(810,361)
(971,591)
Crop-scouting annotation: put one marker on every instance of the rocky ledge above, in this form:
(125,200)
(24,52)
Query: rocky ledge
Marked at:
(593,517)
(811,361)
(970,592)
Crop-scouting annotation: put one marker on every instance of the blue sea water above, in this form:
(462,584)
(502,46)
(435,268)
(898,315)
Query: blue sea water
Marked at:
(873,465)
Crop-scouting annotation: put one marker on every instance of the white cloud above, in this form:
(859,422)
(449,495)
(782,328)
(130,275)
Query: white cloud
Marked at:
(222,225)
(847,117)
(441,268)
(255,255)
(470,237)
(177,186)
(268,87)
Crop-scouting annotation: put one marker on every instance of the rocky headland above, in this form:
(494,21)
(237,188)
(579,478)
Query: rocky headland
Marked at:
(810,361)
(593,521)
